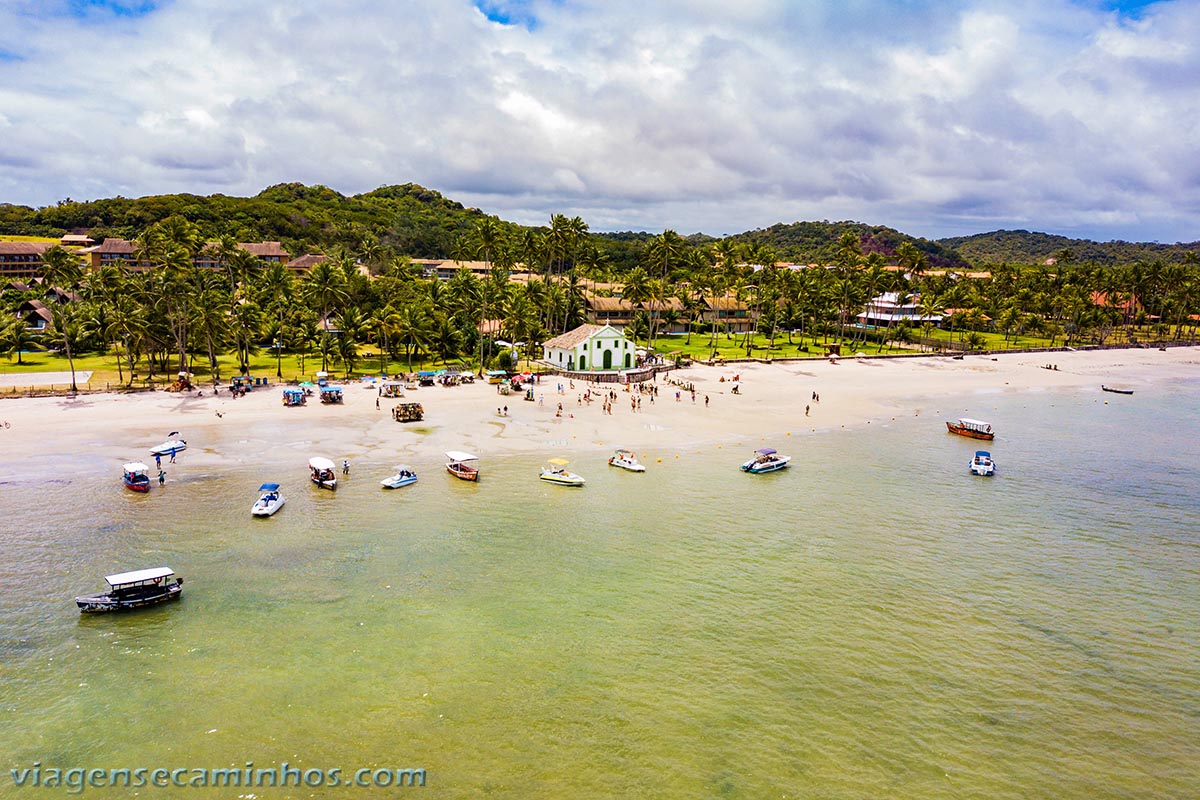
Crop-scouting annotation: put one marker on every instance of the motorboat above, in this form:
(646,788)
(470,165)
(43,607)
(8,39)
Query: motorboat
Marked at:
(973,428)
(556,472)
(625,459)
(982,464)
(405,475)
(321,472)
(127,590)
(766,460)
(136,477)
(172,445)
(460,466)
(269,500)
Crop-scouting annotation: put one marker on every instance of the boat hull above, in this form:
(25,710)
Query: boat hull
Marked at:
(562,480)
(101,603)
(329,484)
(165,448)
(762,469)
(389,483)
(1116,391)
(626,465)
(463,473)
(962,430)
(261,509)
(138,486)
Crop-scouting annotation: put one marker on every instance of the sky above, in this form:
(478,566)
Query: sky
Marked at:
(936,117)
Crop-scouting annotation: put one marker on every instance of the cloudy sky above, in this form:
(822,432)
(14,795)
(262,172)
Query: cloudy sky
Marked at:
(937,117)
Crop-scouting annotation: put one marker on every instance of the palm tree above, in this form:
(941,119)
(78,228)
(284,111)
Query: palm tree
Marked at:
(487,236)
(16,339)
(325,289)
(62,270)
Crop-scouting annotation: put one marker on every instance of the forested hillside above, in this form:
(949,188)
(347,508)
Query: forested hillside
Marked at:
(817,242)
(1026,247)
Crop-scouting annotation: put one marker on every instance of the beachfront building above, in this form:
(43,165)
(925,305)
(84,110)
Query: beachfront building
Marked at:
(22,259)
(114,252)
(728,314)
(887,310)
(667,314)
(590,348)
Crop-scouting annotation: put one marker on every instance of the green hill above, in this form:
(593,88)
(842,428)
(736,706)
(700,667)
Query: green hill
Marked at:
(817,242)
(1026,247)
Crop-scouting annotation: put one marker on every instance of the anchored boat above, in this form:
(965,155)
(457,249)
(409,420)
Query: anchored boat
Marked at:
(136,477)
(405,475)
(321,472)
(625,459)
(127,590)
(460,465)
(556,472)
(269,501)
(766,460)
(972,428)
(982,464)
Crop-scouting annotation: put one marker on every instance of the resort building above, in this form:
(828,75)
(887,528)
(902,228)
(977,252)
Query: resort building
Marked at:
(304,263)
(112,252)
(36,315)
(886,310)
(21,259)
(728,314)
(446,268)
(619,311)
(590,348)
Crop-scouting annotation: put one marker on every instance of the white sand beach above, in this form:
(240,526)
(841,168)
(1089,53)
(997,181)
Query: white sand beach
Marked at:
(769,408)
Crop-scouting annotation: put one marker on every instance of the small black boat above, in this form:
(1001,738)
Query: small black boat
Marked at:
(143,587)
(1115,391)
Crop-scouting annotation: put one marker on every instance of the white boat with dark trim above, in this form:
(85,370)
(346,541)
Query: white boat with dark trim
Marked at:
(405,476)
(556,472)
(982,464)
(766,460)
(321,472)
(127,590)
(625,459)
(269,501)
(173,444)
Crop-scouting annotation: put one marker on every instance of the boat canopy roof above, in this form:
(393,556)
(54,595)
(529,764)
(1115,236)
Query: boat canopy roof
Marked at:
(559,462)
(458,455)
(766,451)
(136,466)
(317,462)
(974,423)
(139,575)
(269,487)
(982,454)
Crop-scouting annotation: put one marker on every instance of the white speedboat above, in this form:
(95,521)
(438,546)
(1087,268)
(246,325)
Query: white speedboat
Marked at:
(321,472)
(982,464)
(269,500)
(625,459)
(405,475)
(172,445)
(556,472)
(765,460)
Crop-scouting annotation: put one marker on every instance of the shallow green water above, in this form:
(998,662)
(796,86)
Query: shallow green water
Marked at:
(872,623)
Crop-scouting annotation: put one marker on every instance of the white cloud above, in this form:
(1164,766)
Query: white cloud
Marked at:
(934,118)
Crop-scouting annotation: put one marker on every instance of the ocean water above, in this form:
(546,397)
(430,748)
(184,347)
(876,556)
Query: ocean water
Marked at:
(872,623)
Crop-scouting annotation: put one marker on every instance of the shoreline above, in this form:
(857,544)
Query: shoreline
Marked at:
(81,431)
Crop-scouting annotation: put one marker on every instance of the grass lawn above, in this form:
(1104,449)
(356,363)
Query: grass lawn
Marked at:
(14,238)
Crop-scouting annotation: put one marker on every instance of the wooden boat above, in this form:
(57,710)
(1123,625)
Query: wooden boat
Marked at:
(1115,391)
(556,472)
(269,501)
(321,472)
(972,428)
(460,467)
(405,476)
(625,459)
(765,460)
(136,478)
(982,464)
(128,590)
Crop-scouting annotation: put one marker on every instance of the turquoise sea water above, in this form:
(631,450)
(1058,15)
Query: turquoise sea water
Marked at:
(872,623)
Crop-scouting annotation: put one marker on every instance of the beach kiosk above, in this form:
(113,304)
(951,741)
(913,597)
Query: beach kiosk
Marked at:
(294,397)
(331,395)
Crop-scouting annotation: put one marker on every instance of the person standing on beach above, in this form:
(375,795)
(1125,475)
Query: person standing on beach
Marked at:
(172,455)
(158,461)
(162,477)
